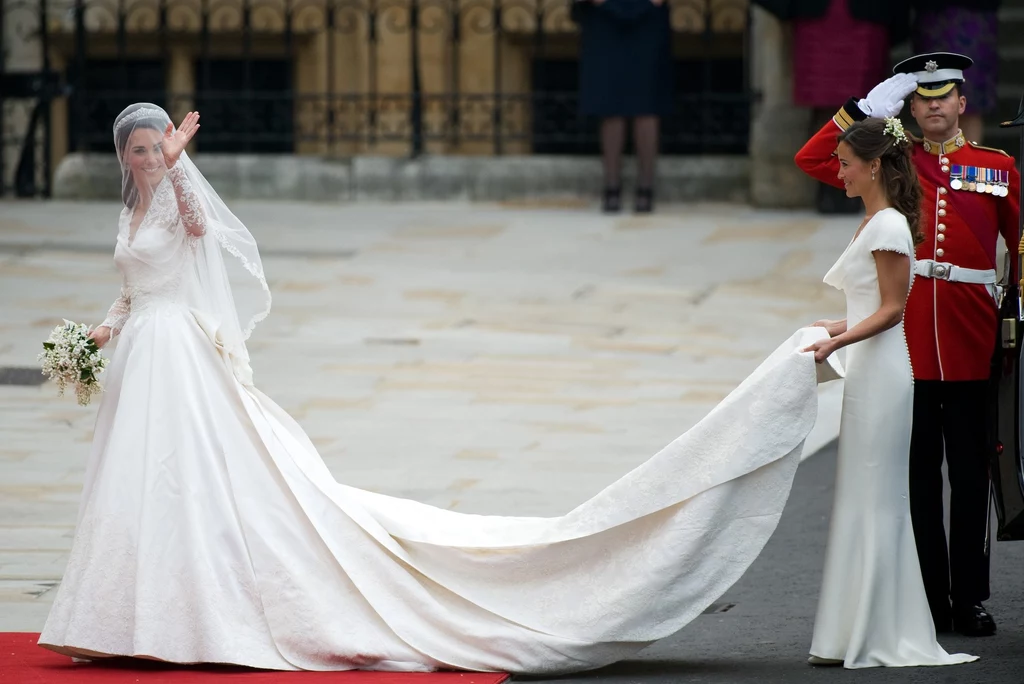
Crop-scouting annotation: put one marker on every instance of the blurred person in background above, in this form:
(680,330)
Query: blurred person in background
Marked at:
(626,72)
(828,34)
(968,27)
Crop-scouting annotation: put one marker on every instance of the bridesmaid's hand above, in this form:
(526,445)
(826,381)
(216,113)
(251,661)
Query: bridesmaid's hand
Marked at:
(833,328)
(175,141)
(822,349)
(101,335)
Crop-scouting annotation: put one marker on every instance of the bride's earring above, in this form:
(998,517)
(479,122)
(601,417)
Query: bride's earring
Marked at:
(872,175)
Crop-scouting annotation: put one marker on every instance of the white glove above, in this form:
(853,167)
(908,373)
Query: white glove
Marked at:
(886,98)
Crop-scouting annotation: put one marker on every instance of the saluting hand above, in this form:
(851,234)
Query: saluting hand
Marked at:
(886,98)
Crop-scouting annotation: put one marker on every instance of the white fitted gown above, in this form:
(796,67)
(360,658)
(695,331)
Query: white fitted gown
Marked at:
(873,610)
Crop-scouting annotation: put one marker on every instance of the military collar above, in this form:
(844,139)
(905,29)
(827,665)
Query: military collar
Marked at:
(948,147)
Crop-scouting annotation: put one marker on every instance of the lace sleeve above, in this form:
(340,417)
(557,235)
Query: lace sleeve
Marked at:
(119,312)
(189,207)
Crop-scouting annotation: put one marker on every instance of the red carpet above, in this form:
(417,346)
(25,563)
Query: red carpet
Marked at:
(22,662)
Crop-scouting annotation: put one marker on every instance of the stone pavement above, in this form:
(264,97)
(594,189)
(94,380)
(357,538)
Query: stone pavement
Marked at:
(764,634)
(489,358)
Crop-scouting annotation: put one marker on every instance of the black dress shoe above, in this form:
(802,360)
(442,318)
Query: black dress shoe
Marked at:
(973,621)
(611,200)
(644,201)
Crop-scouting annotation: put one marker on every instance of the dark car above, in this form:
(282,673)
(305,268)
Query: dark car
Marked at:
(1007,464)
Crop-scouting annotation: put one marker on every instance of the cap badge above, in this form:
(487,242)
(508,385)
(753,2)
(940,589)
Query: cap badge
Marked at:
(931,66)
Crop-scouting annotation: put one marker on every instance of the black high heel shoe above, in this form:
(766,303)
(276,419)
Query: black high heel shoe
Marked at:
(611,201)
(644,203)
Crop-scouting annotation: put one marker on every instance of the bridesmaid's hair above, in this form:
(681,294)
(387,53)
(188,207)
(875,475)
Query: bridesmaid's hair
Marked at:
(121,136)
(869,140)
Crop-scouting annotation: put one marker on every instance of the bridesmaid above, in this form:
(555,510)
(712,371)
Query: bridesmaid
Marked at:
(873,610)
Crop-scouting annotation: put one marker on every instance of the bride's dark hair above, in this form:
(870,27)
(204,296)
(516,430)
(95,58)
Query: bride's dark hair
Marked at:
(121,135)
(869,140)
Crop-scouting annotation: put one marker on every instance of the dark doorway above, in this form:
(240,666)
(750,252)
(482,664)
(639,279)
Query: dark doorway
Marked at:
(246,105)
(102,90)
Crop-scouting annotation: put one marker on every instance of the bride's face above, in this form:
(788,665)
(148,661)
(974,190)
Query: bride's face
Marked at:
(145,158)
(853,171)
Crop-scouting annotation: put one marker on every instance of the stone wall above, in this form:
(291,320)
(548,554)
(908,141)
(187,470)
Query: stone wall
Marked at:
(778,127)
(509,178)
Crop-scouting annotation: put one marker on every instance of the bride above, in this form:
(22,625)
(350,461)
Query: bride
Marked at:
(210,530)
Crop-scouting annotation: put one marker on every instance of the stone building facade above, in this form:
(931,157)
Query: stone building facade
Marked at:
(452,88)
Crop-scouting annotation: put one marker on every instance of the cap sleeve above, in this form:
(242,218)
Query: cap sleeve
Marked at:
(891,233)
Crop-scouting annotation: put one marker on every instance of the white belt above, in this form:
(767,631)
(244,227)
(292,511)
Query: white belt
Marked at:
(928,268)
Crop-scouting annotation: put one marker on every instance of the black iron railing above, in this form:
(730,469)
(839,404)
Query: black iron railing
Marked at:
(344,77)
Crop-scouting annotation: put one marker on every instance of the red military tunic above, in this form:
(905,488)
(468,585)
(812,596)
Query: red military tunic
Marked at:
(951,327)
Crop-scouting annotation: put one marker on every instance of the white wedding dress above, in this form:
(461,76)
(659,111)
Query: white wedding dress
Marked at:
(210,529)
(873,610)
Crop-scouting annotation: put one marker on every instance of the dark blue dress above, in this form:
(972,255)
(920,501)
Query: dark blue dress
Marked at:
(625,58)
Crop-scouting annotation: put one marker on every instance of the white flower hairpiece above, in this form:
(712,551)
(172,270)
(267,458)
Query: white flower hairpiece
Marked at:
(894,127)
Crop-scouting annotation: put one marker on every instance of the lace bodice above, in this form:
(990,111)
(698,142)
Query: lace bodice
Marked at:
(155,258)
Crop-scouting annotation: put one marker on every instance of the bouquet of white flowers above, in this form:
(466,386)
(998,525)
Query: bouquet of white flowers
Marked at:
(70,357)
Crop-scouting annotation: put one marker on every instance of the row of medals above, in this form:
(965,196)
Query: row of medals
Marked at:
(988,188)
(997,189)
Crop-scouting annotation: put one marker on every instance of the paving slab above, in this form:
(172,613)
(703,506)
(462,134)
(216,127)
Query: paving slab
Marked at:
(488,358)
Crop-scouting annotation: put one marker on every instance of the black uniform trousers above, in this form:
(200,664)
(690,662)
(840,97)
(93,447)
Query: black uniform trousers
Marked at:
(950,420)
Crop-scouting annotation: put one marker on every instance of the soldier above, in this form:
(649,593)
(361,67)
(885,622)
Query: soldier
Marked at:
(970,198)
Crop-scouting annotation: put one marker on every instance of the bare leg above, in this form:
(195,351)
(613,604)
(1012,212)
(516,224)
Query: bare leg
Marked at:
(645,133)
(613,140)
(645,136)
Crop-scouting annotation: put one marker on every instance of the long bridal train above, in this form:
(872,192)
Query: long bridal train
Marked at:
(211,531)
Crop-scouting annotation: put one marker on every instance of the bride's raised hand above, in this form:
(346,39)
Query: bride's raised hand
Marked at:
(175,141)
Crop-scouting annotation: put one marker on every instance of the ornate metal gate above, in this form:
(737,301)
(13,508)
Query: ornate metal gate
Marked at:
(27,87)
(339,77)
